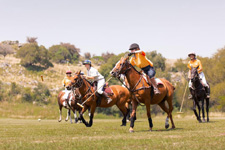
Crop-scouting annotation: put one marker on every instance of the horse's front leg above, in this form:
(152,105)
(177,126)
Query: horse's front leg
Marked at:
(203,110)
(81,115)
(194,109)
(133,115)
(199,111)
(92,111)
(60,113)
(75,116)
(69,115)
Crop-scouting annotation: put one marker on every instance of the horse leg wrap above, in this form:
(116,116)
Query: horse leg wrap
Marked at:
(132,122)
(150,122)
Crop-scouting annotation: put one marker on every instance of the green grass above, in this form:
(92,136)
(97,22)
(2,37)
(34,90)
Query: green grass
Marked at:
(107,134)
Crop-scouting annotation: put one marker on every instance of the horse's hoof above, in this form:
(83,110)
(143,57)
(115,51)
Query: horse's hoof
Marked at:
(122,125)
(66,120)
(150,130)
(200,121)
(131,131)
(167,126)
(59,120)
(203,120)
(173,127)
(207,120)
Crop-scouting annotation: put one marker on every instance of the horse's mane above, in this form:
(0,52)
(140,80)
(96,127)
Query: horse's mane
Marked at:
(134,68)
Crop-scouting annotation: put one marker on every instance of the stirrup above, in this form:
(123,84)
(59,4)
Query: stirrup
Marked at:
(207,96)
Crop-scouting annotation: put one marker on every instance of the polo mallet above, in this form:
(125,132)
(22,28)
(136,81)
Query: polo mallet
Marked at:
(81,105)
(183,100)
(42,78)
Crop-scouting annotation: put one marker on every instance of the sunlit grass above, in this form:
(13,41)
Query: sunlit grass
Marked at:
(107,134)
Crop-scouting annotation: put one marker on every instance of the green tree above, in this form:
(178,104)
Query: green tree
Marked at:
(157,59)
(33,55)
(59,54)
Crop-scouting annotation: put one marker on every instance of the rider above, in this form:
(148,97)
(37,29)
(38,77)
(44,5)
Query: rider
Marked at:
(139,59)
(65,82)
(194,62)
(93,74)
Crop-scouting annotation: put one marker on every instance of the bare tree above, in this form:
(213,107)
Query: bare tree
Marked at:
(31,39)
(72,48)
(87,55)
(107,55)
(5,49)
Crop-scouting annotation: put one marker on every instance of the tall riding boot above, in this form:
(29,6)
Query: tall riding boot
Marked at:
(190,95)
(107,97)
(156,90)
(207,90)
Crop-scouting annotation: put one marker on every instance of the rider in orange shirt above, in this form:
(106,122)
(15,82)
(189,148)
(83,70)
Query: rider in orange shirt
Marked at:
(194,62)
(139,59)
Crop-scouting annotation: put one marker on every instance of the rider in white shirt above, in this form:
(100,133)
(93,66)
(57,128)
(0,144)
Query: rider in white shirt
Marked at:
(94,75)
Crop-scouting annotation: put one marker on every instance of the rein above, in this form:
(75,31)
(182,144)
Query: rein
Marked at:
(133,90)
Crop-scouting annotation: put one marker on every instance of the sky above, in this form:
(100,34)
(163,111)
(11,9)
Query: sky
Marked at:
(171,27)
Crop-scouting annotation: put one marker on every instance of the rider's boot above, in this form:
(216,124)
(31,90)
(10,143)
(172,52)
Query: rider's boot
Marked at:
(107,97)
(156,90)
(207,90)
(190,96)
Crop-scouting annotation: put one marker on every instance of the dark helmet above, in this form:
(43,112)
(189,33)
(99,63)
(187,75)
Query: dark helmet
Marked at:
(68,72)
(134,46)
(191,54)
(87,62)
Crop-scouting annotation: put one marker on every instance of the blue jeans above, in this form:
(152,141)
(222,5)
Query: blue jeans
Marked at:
(150,71)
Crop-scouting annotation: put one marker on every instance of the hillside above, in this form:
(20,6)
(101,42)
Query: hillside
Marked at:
(12,71)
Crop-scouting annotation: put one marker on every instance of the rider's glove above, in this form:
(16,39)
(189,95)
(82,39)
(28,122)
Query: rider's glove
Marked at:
(130,54)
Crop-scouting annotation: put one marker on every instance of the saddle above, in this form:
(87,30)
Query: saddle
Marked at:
(106,89)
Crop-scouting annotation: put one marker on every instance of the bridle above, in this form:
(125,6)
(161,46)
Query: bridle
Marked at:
(79,83)
(133,90)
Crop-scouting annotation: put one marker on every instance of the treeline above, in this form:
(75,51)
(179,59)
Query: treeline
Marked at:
(16,93)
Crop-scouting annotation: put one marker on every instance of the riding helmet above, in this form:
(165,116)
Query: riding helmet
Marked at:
(87,62)
(191,54)
(134,46)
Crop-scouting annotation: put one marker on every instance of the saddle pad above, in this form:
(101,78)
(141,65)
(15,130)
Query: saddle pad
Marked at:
(109,91)
(158,81)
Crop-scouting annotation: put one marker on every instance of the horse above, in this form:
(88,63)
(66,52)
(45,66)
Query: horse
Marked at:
(68,101)
(199,95)
(119,98)
(142,92)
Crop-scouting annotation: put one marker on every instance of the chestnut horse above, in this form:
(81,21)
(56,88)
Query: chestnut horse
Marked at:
(119,98)
(142,92)
(68,101)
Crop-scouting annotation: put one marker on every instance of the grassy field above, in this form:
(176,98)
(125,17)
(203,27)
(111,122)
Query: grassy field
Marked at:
(107,134)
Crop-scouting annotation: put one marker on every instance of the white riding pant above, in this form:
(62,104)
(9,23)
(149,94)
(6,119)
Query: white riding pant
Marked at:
(100,83)
(202,77)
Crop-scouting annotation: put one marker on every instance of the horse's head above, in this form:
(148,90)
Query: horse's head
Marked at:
(68,84)
(76,80)
(194,74)
(121,67)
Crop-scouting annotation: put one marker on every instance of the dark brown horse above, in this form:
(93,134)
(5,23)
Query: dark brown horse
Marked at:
(199,95)
(143,92)
(68,99)
(119,98)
